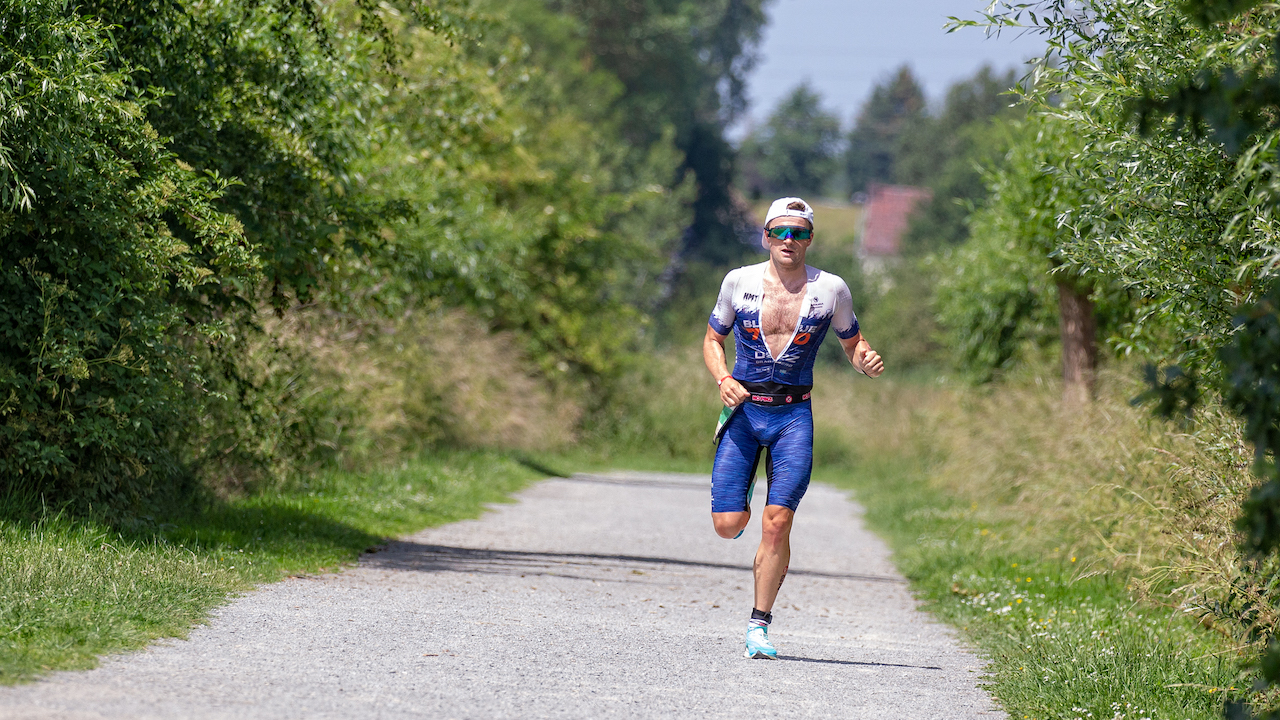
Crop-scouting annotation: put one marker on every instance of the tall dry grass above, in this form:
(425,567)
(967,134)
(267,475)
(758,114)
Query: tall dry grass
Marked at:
(442,379)
(666,406)
(1149,501)
(316,389)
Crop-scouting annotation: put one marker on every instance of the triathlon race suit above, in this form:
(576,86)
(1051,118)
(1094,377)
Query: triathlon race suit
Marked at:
(778,416)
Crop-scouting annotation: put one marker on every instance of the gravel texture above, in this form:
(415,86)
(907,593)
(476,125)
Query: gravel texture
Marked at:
(594,596)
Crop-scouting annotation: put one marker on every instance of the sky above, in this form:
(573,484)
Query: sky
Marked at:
(844,47)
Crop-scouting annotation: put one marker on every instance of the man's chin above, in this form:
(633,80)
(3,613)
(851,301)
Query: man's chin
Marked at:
(788,261)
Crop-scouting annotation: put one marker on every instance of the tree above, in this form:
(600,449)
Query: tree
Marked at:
(279,95)
(795,152)
(1010,276)
(682,65)
(1175,113)
(107,237)
(169,179)
(1172,221)
(872,152)
(946,154)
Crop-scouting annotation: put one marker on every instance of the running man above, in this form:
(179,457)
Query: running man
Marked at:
(779,312)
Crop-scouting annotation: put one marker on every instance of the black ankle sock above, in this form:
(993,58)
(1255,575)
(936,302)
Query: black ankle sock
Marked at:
(767,617)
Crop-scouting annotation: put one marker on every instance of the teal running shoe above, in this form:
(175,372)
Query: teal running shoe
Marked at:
(758,645)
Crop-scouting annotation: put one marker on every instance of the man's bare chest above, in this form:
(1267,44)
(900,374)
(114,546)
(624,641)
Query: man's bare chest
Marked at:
(779,314)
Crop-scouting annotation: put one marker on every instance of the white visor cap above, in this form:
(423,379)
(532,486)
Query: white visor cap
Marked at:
(779,209)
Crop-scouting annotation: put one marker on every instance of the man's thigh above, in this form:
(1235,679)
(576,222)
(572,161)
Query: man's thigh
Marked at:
(791,457)
(736,460)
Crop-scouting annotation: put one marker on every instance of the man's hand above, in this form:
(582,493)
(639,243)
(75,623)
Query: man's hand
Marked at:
(732,393)
(861,356)
(870,363)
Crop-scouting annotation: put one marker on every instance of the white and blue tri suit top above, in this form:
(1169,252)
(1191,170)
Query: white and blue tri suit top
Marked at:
(827,304)
(786,428)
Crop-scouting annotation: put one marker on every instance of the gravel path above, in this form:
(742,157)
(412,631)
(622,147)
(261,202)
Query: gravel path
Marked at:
(595,596)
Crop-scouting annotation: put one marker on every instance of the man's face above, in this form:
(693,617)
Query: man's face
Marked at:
(787,253)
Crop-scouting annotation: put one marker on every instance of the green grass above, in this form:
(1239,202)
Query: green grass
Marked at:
(1060,645)
(72,590)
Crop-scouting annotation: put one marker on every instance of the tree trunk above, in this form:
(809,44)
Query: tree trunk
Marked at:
(1079,344)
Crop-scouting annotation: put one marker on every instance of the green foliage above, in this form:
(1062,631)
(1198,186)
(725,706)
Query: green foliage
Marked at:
(899,320)
(1175,118)
(278,95)
(995,295)
(1252,362)
(172,180)
(534,212)
(266,410)
(682,65)
(795,152)
(871,155)
(994,301)
(107,237)
(1207,12)
(947,153)
(1233,105)
(1171,391)
(1168,216)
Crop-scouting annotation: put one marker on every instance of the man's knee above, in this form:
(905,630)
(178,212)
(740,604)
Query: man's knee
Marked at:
(729,524)
(776,525)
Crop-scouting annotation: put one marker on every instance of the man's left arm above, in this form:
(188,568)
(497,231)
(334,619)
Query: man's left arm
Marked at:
(864,359)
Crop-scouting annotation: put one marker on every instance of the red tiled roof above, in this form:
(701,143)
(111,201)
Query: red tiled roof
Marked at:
(885,217)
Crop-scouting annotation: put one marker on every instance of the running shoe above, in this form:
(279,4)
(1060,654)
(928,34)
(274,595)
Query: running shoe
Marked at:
(758,645)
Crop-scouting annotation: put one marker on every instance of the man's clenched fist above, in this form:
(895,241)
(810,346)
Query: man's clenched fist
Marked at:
(871,363)
(732,393)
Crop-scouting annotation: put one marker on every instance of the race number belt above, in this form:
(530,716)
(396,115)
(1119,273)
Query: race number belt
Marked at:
(774,394)
(767,399)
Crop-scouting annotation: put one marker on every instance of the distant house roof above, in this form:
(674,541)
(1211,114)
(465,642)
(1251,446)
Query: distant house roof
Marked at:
(885,218)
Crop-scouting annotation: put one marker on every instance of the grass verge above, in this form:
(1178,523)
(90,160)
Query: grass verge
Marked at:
(1060,645)
(1056,540)
(72,590)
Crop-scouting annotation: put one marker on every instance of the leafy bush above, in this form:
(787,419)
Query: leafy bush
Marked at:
(182,188)
(107,235)
(1175,140)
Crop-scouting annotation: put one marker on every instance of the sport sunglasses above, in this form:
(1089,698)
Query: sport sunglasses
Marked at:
(785,232)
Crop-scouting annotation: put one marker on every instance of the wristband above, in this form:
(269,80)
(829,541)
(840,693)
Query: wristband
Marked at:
(721,380)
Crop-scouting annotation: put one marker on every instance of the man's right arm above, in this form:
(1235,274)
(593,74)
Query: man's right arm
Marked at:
(731,391)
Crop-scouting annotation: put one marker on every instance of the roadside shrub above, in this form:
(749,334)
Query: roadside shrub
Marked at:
(105,233)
